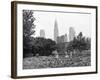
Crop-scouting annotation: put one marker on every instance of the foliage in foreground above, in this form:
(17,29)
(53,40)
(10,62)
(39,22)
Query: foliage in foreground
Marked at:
(79,43)
(43,47)
(83,59)
(28,30)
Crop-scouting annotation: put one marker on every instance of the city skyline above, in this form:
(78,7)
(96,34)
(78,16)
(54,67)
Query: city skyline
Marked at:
(61,38)
(46,21)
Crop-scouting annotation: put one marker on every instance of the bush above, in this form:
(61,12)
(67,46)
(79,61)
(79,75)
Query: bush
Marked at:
(43,47)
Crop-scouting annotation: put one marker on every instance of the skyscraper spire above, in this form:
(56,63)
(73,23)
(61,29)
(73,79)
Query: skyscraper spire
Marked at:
(56,32)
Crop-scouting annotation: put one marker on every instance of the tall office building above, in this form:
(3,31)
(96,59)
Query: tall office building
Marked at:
(42,33)
(71,33)
(60,39)
(65,38)
(56,32)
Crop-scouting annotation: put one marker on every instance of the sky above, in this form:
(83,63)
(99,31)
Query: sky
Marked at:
(81,22)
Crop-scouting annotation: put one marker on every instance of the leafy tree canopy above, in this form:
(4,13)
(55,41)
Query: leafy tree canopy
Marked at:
(28,29)
(43,46)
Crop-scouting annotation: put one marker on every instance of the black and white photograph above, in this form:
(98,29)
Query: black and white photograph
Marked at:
(56,39)
(53,39)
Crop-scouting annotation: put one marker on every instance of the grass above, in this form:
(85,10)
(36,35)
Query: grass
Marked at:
(76,60)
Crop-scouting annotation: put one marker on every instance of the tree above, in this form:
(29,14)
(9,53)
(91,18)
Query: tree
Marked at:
(28,30)
(79,43)
(43,47)
(88,42)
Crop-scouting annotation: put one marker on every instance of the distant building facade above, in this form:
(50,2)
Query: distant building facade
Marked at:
(42,33)
(71,33)
(62,38)
(56,32)
(65,38)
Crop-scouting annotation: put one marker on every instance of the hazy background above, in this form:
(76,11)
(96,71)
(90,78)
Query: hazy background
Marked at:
(81,22)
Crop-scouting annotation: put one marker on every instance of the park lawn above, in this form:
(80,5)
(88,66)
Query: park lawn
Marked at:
(77,60)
